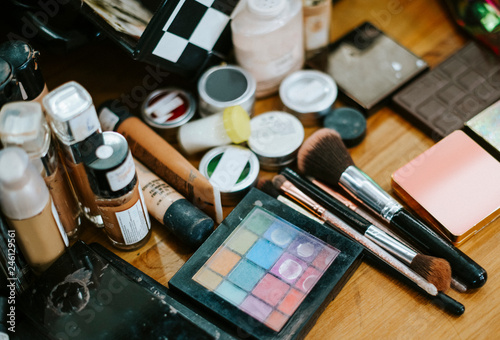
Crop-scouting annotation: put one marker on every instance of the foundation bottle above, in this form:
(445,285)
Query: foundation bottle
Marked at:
(113,179)
(28,207)
(22,124)
(73,119)
(268,41)
(317,17)
(24,60)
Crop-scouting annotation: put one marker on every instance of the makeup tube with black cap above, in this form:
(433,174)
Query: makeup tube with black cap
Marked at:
(24,61)
(9,91)
(73,119)
(188,223)
(113,179)
(22,124)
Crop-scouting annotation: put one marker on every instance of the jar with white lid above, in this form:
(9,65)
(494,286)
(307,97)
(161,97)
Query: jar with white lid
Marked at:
(268,41)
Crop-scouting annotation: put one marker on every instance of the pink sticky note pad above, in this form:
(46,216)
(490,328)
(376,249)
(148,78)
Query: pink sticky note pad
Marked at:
(454,185)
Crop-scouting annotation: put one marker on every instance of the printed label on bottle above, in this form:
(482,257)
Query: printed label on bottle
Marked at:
(123,175)
(108,119)
(133,223)
(316,29)
(84,125)
(59,224)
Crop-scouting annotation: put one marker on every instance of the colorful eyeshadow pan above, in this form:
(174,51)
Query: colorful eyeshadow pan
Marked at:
(267,271)
(275,271)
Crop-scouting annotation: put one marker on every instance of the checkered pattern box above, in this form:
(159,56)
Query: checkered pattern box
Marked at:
(183,36)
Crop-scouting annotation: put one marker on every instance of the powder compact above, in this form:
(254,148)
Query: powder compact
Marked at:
(275,138)
(167,109)
(485,129)
(262,274)
(369,66)
(309,95)
(232,169)
(453,186)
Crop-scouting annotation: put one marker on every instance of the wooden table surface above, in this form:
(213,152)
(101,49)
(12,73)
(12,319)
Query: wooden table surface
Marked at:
(372,304)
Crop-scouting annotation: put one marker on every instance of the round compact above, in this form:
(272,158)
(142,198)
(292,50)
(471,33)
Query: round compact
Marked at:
(232,169)
(275,138)
(166,109)
(309,95)
(349,123)
(223,86)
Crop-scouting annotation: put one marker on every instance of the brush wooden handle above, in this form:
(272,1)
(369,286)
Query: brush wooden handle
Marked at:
(462,266)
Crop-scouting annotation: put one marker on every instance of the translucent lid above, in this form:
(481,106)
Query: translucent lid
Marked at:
(236,124)
(308,91)
(22,124)
(23,193)
(269,8)
(72,113)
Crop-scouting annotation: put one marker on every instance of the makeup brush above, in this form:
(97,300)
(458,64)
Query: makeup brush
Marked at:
(380,255)
(325,157)
(435,270)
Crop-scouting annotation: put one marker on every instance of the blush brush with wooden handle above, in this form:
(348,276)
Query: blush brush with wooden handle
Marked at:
(325,157)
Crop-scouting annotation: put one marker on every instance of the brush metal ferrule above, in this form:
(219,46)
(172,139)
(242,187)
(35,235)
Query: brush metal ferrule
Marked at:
(390,244)
(365,190)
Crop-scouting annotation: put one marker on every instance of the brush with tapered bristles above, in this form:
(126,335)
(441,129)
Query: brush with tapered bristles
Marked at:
(435,270)
(379,254)
(324,156)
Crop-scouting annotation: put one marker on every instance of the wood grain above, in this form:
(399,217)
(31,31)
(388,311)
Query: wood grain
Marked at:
(373,304)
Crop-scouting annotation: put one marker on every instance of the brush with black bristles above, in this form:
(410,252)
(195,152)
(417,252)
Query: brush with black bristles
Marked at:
(435,270)
(325,157)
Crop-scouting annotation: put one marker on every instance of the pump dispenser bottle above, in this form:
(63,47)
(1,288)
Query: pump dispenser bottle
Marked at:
(27,205)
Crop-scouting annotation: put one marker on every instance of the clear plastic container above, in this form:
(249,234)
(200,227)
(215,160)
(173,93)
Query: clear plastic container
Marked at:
(268,41)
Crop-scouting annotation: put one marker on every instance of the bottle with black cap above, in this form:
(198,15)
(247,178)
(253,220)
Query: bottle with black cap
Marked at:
(112,176)
(9,91)
(24,61)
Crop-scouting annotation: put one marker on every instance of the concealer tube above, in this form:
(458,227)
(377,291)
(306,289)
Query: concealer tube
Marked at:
(26,203)
(113,179)
(189,224)
(22,124)
(73,120)
(162,158)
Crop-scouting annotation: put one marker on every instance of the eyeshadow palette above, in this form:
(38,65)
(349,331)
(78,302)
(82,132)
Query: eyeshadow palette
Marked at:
(453,186)
(485,129)
(442,100)
(265,275)
(369,66)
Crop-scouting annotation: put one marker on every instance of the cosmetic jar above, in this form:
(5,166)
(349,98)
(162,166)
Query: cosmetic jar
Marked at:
(24,61)
(230,126)
(166,109)
(223,86)
(276,136)
(232,169)
(349,123)
(309,95)
(112,176)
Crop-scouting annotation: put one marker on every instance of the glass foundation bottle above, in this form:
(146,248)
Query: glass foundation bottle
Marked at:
(22,124)
(268,41)
(113,179)
(28,207)
(73,120)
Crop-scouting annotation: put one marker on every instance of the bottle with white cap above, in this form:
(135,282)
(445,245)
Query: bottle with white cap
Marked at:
(73,119)
(22,124)
(27,205)
(268,41)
